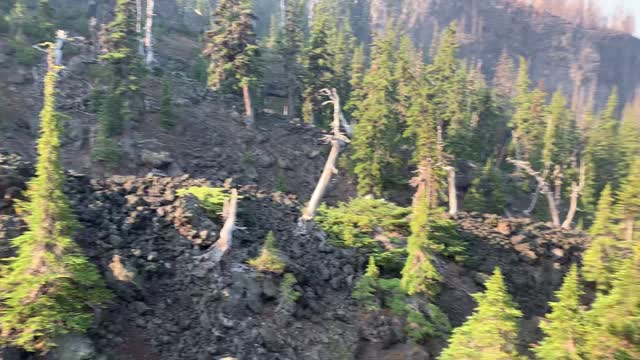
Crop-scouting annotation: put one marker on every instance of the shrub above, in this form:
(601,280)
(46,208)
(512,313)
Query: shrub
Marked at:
(211,198)
(24,53)
(288,295)
(167,117)
(269,259)
(365,290)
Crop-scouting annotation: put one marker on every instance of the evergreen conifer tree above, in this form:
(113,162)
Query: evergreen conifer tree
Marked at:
(491,332)
(522,109)
(601,260)
(365,290)
(564,326)
(629,202)
(167,116)
(49,288)
(358,69)
(232,50)
(613,328)
(375,116)
(290,46)
(419,274)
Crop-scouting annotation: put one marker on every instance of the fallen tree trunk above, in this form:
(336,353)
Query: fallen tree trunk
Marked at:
(61,36)
(330,166)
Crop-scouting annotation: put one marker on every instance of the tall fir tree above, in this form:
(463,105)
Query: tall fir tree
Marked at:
(601,259)
(629,203)
(419,274)
(366,288)
(358,70)
(491,332)
(375,117)
(290,46)
(564,327)
(318,73)
(613,325)
(232,50)
(449,90)
(49,288)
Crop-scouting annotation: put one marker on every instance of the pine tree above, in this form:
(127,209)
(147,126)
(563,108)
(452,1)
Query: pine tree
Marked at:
(122,43)
(358,69)
(602,149)
(613,328)
(365,290)
(375,116)
(564,326)
(522,109)
(629,202)
(449,90)
(419,274)
(269,259)
(628,135)
(49,288)
(317,65)
(491,332)
(604,255)
(167,117)
(290,46)
(232,50)
(505,78)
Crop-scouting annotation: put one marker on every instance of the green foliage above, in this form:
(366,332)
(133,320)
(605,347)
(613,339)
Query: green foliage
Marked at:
(487,193)
(356,223)
(374,137)
(417,326)
(269,259)
(231,45)
(288,295)
(629,202)
(199,70)
(49,288)
(106,150)
(211,198)
(365,289)
(24,53)
(491,332)
(564,326)
(419,274)
(613,329)
(167,116)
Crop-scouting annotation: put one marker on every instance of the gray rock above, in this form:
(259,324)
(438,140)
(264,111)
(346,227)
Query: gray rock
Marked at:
(10,354)
(155,159)
(72,347)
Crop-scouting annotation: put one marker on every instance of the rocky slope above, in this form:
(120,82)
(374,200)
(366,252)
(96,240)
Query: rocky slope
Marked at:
(171,304)
(583,62)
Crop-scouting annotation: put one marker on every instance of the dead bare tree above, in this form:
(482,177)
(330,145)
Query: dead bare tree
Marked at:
(453,194)
(336,140)
(576,190)
(148,38)
(61,36)
(543,187)
(139,27)
(224,243)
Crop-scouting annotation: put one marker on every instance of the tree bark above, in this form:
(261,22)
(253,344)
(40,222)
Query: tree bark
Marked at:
(249,118)
(139,27)
(148,39)
(330,165)
(453,194)
(224,243)
(542,185)
(61,36)
(628,229)
(576,189)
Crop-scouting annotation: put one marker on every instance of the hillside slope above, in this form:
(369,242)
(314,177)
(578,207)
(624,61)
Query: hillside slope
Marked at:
(170,304)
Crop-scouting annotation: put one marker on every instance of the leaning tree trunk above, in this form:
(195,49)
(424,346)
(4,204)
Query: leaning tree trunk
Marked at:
(576,189)
(222,246)
(249,118)
(453,194)
(330,165)
(139,27)
(148,38)
(543,186)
